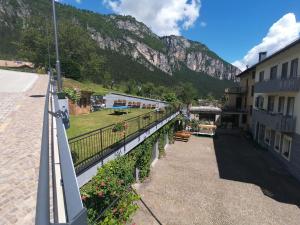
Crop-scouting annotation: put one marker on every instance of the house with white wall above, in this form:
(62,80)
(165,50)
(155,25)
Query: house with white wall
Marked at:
(276,105)
(128,100)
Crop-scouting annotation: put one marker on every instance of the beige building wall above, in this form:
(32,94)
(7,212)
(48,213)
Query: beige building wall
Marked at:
(286,56)
(247,82)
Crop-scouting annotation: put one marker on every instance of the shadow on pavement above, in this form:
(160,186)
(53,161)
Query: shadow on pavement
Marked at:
(239,160)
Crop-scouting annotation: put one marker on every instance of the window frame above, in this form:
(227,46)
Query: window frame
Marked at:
(288,113)
(284,76)
(273,72)
(269,105)
(289,139)
(259,102)
(270,135)
(261,76)
(294,71)
(279,143)
(281,106)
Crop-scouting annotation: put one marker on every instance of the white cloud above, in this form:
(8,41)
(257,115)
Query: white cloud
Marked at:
(78,1)
(164,17)
(281,33)
(203,24)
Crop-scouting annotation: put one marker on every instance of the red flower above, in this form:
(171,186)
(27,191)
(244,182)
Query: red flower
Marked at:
(114,210)
(121,210)
(102,184)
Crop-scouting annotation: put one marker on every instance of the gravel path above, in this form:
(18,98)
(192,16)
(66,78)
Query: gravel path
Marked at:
(20,138)
(219,181)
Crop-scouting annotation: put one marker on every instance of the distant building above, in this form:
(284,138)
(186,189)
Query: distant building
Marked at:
(209,114)
(118,99)
(15,64)
(234,111)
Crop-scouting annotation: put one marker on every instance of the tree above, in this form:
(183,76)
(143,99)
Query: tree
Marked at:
(186,93)
(78,52)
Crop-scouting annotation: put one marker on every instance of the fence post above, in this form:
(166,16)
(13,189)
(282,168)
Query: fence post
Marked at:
(101,143)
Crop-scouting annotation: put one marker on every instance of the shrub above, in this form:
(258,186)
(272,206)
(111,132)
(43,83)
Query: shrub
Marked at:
(113,180)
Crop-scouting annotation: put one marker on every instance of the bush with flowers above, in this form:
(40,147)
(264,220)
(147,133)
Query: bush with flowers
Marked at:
(109,191)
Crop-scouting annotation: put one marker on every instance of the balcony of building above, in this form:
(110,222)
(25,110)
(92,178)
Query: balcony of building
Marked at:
(275,121)
(235,90)
(291,84)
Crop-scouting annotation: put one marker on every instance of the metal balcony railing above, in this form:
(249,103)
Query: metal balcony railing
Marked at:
(58,198)
(278,85)
(275,121)
(235,90)
(91,147)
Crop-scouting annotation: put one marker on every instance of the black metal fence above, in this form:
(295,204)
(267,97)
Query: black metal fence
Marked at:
(95,145)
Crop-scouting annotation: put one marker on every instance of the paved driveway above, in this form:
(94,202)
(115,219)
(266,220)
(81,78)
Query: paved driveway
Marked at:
(21,119)
(12,81)
(219,181)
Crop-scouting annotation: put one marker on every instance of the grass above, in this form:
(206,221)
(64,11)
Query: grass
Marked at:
(85,148)
(84,123)
(85,86)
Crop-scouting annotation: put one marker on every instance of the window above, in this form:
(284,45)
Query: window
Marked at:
(268,136)
(294,68)
(290,106)
(277,142)
(244,118)
(281,104)
(273,73)
(271,100)
(253,75)
(284,70)
(252,90)
(251,107)
(261,76)
(259,102)
(286,147)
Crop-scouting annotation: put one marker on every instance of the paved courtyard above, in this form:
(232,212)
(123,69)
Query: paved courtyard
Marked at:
(219,181)
(21,118)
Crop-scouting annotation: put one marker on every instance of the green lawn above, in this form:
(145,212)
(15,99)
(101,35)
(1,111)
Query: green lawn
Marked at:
(86,86)
(84,123)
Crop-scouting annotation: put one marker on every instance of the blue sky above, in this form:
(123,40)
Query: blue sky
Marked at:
(231,28)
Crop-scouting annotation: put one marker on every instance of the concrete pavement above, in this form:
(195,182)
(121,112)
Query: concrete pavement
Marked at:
(14,82)
(20,138)
(218,182)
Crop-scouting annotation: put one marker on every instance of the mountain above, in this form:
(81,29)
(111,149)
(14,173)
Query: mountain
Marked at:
(130,49)
(166,53)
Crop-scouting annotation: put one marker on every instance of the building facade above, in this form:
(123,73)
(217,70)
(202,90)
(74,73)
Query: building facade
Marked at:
(112,99)
(239,101)
(276,106)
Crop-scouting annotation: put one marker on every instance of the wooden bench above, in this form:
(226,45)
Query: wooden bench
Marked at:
(182,136)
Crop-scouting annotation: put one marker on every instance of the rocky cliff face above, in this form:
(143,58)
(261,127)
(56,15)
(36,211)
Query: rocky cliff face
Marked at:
(172,53)
(127,36)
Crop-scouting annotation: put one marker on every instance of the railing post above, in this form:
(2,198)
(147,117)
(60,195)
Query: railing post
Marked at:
(101,143)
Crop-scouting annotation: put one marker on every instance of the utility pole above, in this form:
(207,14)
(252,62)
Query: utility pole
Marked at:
(59,80)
